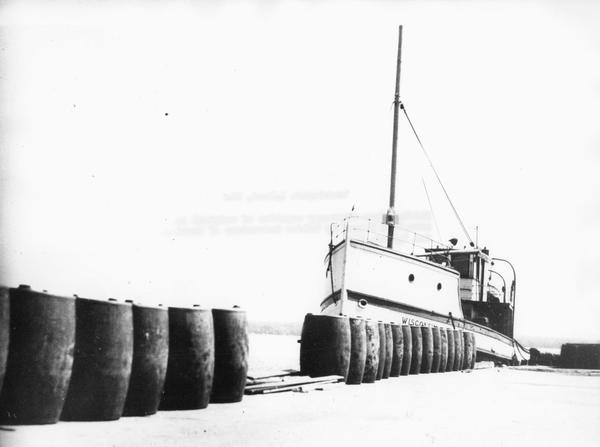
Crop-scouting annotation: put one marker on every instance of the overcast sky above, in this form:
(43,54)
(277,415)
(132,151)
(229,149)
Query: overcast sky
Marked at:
(195,154)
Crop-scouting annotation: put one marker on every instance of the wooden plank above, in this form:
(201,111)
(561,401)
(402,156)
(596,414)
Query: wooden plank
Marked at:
(300,380)
(292,387)
(304,380)
(284,373)
(300,388)
(271,379)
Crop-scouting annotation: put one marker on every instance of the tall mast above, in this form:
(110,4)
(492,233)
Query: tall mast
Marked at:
(390,217)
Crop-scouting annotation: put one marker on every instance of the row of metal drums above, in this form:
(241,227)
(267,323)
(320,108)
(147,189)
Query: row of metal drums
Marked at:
(81,359)
(363,350)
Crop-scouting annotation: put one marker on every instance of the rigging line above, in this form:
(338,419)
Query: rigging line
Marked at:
(330,266)
(431,209)
(436,175)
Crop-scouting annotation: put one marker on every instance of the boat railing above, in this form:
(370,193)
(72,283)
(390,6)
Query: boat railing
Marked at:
(370,231)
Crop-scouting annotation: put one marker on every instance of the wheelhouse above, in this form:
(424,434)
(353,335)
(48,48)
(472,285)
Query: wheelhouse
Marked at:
(483,299)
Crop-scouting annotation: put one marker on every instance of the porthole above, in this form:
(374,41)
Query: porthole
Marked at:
(362,303)
(411,277)
(439,286)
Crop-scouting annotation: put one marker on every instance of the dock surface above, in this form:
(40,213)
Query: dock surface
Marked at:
(492,407)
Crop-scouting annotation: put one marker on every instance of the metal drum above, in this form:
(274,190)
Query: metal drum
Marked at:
(358,351)
(461,365)
(437,350)
(534,356)
(325,346)
(547,359)
(468,355)
(397,350)
(231,355)
(427,359)
(444,349)
(191,363)
(372,357)
(382,350)
(40,356)
(463,350)
(451,349)
(570,356)
(149,365)
(458,347)
(417,349)
(102,361)
(4,330)
(407,351)
(580,355)
(389,354)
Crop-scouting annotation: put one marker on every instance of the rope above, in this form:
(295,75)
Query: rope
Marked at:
(436,175)
(451,320)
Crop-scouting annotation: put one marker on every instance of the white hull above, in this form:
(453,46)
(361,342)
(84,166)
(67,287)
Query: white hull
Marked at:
(374,282)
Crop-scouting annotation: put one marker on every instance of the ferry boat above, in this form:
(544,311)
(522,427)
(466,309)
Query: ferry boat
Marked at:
(401,276)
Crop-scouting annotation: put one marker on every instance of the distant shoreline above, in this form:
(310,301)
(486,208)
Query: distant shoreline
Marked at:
(275,328)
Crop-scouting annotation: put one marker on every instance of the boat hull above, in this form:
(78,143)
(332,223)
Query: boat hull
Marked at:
(371,281)
(491,345)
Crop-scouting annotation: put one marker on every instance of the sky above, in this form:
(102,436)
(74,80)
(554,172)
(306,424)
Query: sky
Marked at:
(185,153)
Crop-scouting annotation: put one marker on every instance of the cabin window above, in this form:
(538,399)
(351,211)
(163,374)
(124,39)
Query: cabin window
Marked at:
(411,277)
(463,263)
(439,286)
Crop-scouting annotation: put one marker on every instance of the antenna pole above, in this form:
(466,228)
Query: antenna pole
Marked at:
(390,218)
